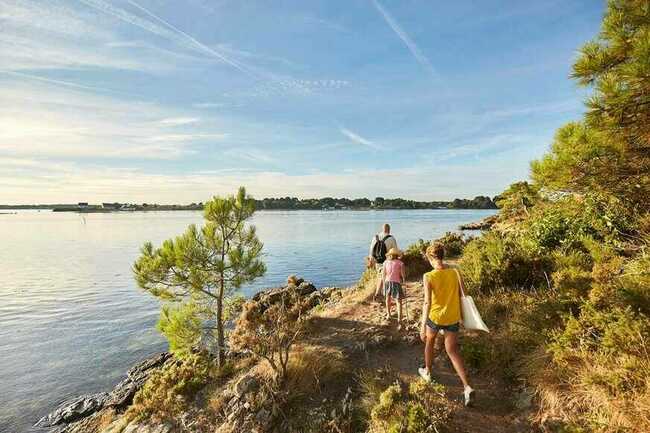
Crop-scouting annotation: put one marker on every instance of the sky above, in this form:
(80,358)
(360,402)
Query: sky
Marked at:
(177,101)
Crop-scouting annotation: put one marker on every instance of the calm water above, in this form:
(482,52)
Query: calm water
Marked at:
(72,320)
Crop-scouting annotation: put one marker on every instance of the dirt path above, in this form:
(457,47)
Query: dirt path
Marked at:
(356,326)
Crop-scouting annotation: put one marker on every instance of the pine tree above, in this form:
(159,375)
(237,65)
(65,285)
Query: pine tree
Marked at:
(202,267)
(609,152)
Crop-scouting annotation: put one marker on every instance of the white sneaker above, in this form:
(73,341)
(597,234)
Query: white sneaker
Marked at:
(424,374)
(469,396)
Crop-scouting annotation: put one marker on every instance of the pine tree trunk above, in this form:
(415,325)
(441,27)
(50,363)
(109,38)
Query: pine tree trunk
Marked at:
(220,336)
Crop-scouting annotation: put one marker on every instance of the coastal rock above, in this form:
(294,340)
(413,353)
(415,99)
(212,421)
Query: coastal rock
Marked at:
(123,393)
(74,410)
(120,397)
(484,224)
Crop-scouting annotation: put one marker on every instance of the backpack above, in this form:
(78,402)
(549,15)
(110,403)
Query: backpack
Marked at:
(379,249)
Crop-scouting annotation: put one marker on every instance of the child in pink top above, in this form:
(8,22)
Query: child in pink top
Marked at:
(392,278)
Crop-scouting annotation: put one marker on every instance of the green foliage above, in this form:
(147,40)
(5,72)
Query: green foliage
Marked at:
(420,408)
(182,326)
(572,273)
(633,286)
(169,391)
(609,151)
(603,355)
(517,200)
(204,265)
(415,260)
(519,324)
(495,261)
(479,202)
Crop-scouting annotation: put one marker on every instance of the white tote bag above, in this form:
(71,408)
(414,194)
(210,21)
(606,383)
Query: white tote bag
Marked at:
(471,317)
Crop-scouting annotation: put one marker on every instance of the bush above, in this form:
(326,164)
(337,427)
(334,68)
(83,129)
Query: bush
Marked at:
(422,407)
(415,260)
(519,324)
(269,331)
(496,261)
(633,286)
(169,391)
(599,374)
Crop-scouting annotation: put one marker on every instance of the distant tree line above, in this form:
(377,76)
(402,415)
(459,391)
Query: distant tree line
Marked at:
(291,203)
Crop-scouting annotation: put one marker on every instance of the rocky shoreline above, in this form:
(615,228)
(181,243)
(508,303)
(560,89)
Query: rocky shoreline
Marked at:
(484,224)
(119,398)
(77,415)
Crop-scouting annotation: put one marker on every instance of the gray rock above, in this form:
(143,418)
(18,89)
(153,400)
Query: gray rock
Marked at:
(123,393)
(245,385)
(120,397)
(263,417)
(74,410)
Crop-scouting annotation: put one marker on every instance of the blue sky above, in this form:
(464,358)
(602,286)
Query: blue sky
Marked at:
(175,101)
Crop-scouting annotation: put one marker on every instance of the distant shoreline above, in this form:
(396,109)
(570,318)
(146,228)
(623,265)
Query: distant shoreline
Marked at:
(92,211)
(284,204)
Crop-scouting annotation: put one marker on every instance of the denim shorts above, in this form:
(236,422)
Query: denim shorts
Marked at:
(393,289)
(454,327)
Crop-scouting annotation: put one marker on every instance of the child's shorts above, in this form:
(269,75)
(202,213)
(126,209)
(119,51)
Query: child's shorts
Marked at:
(393,289)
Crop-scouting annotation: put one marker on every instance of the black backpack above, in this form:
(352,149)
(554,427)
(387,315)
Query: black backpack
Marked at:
(379,249)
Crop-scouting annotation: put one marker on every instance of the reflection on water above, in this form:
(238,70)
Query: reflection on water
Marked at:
(72,320)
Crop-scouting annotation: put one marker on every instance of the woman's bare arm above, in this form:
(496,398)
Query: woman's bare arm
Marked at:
(426,305)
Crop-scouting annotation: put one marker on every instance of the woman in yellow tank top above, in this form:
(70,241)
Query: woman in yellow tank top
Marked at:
(441,311)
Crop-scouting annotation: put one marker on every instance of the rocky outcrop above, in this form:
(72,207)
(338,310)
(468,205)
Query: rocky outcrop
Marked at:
(484,224)
(120,397)
(74,410)
(80,414)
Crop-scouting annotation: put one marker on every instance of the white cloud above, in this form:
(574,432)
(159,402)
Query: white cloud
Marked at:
(356,138)
(178,121)
(38,120)
(51,35)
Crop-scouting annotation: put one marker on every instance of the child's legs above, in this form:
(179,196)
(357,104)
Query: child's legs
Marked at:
(399,309)
(451,345)
(429,348)
(389,302)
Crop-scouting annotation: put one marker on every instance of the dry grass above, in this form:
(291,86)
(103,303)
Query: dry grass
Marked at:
(310,370)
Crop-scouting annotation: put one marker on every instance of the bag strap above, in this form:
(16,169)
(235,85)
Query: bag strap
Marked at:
(460,283)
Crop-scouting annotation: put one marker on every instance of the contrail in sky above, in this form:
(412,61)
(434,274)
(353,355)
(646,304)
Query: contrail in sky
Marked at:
(61,82)
(175,34)
(412,46)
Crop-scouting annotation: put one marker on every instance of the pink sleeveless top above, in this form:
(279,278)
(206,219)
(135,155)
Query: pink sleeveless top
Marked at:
(393,270)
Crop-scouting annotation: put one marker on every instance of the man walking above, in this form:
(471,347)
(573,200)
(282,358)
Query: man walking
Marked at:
(380,245)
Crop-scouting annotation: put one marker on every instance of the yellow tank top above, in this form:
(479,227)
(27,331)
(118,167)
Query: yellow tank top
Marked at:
(445,296)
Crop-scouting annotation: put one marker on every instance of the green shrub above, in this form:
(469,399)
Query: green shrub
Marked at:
(496,261)
(415,261)
(572,274)
(422,407)
(519,324)
(600,370)
(168,392)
